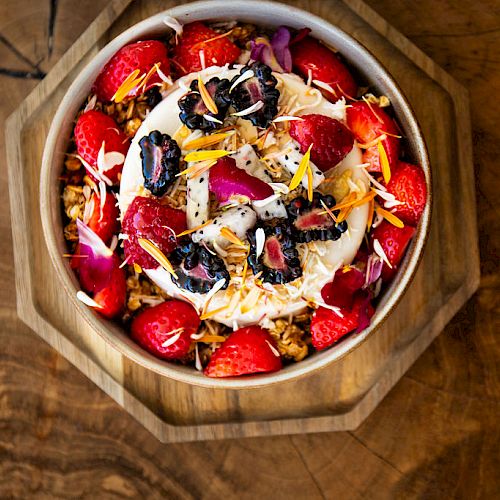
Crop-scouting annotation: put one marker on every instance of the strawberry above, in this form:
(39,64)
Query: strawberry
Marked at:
(393,241)
(198,37)
(140,56)
(104,222)
(408,185)
(147,218)
(165,329)
(227,180)
(91,130)
(112,297)
(340,292)
(308,54)
(331,140)
(247,350)
(327,327)
(367,122)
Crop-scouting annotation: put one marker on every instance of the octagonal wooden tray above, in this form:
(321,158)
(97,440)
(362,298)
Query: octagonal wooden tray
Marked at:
(338,397)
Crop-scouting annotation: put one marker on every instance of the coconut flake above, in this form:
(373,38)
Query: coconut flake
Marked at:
(83,297)
(173,339)
(380,252)
(91,104)
(266,201)
(273,349)
(287,118)
(260,239)
(197,360)
(212,119)
(245,76)
(252,109)
(173,23)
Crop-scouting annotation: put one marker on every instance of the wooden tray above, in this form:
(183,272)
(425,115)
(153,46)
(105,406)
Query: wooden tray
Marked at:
(338,397)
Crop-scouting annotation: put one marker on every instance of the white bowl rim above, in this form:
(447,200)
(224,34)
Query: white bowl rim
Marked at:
(234,9)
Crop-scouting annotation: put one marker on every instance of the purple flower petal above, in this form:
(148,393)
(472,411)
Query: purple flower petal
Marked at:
(280,45)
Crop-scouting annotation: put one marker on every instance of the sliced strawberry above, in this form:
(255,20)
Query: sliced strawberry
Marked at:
(94,128)
(331,140)
(393,241)
(112,297)
(367,123)
(309,55)
(340,292)
(165,330)
(408,185)
(140,56)
(246,351)
(104,222)
(147,218)
(328,327)
(227,180)
(196,37)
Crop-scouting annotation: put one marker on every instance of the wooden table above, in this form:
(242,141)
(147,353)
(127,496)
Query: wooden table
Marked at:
(435,436)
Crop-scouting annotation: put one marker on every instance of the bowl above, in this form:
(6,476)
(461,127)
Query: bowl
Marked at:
(258,12)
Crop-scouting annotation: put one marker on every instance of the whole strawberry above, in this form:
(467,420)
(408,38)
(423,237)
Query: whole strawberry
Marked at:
(246,351)
(393,241)
(331,140)
(197,37)
(94,128)
(367,123)
(408,185)
(147,218)
(103,221)
(309,55)
(140,56)
(165,330)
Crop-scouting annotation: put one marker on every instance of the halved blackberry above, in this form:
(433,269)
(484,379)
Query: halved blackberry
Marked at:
(197,269)
(309,222)
(260,87)
(160,156)
(193,108)
(279,261)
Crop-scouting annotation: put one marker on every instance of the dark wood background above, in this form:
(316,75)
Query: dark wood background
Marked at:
(436,435)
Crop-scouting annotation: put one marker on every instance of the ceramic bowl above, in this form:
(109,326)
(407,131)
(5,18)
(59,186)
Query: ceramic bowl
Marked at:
(265,13)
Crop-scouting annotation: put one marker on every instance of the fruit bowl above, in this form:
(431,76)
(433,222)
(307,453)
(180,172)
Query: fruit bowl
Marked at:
(260,13)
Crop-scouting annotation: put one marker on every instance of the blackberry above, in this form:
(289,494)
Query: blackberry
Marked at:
(193,110)
(160,156)
(309,221)
(279,261)
(260,87)
(153,96)
(197,269)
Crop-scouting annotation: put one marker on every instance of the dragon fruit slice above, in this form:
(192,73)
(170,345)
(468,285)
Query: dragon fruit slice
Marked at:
(247,159)
(290,159)
(197,200)
(238,219)
(227,182)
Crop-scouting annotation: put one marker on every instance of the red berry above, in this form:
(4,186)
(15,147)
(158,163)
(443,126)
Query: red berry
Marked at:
(247,350)
(147,218)
(340,292)
(327,327)
(227,180)
(325,66)
(139,55)
(367,122)
(155,326)
(331,140)
(197,37)
(393,241)
(408,185)
(112,297)
(104,223)
(91,130)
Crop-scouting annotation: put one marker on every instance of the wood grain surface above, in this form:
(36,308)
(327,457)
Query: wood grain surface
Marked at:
(436,435)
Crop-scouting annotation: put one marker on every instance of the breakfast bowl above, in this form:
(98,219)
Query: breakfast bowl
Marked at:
(375,91)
